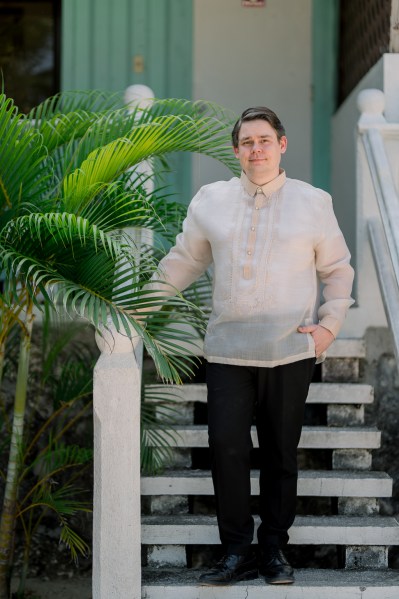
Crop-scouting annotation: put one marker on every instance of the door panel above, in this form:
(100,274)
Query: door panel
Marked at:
(111,44)
(103,39)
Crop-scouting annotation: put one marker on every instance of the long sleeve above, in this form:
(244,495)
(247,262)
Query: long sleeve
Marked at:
(188,259)
(270,248)
(334,271)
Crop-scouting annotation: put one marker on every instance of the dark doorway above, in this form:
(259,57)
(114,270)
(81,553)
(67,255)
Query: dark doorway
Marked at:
(30,50)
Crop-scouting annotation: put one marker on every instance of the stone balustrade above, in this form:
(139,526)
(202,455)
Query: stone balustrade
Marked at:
(116,517)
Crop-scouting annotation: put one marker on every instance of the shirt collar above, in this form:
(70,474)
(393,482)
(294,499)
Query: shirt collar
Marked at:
(268,188)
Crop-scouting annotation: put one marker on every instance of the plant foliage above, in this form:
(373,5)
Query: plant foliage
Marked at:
(71,181)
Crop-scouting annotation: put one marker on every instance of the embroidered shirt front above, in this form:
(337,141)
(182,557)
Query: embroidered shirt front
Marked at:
(270,247)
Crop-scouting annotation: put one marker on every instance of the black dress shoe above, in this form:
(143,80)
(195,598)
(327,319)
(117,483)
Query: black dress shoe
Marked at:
(230,569)
(274,566)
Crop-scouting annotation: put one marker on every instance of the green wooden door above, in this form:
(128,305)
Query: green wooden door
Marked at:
(325,20)
(111,44)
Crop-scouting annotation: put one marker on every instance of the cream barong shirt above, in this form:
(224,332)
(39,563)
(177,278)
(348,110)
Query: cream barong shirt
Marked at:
(271,247)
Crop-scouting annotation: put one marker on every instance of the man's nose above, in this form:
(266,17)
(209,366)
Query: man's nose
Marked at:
(256,148)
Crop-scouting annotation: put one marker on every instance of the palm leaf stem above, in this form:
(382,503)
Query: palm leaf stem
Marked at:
(40,482)
(2,358)
(58,435)
(49,421)
(25,560)
(7,522)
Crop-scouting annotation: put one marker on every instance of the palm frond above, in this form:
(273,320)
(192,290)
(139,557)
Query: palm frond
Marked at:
(74,381)
(156,449)
(110,125)
(80,100)
(54,461)
(21,153)
(61,502)
(91,273)
(60,499)
(10,314)
(159,412)
(61,129)
(60,455)
(115,207)
(167,134)
(73,541)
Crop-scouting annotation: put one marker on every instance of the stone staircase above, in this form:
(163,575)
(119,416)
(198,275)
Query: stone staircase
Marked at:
(179,528)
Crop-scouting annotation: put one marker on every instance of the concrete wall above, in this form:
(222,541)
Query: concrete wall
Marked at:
(256,56)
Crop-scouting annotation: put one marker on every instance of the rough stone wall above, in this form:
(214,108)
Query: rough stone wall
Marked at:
(380,369)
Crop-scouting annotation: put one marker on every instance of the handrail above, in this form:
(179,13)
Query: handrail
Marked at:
(383,231)
(386,194)
(116,417)
(386,278)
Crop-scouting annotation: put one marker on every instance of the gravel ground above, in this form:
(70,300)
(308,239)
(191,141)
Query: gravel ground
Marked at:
(73,588)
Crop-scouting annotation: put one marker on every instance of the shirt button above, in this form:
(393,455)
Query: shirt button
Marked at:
(249,253)
(256,207)
(259,190)
(252,228)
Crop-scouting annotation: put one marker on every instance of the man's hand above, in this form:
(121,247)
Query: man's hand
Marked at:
(322,337)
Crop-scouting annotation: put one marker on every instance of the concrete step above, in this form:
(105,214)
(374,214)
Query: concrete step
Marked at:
(306,530)
(327,483)
(313,437)
(319,393)
(310,584)
(347,348)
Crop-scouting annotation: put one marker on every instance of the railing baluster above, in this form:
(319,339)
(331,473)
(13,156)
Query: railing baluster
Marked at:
(116,518)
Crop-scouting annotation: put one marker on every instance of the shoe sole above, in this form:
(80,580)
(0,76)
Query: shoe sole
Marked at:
(251,575)
(280,581)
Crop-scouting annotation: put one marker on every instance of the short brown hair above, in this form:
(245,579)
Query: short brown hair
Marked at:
(258,113)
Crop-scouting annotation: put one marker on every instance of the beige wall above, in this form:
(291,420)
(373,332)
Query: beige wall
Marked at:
(256,56)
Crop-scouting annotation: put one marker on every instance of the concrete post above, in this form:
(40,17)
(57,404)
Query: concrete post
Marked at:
(116,518)
(117,396)
(139,97)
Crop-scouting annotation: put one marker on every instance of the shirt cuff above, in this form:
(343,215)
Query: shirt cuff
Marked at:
(332,324)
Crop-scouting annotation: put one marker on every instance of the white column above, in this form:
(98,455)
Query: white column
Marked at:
(116,517)
(139,97)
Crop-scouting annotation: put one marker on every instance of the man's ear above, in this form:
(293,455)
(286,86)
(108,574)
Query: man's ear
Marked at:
(235,150)
(283,144)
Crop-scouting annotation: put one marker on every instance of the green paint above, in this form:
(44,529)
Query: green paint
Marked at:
(100,39)
(180,81)
(324,79)
(100,47)
(157,57)
(120,55)
(81,51)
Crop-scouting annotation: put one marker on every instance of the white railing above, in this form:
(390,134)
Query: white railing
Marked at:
(382,219)
(116,407)
(116,513)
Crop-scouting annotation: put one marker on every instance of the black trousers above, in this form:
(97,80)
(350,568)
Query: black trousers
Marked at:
(275,399)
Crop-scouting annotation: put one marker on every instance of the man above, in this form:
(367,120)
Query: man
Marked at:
(271,241)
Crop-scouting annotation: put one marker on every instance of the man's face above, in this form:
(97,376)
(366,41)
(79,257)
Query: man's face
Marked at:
(259,151)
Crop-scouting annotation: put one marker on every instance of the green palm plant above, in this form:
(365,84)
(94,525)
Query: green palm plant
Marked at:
(51,464)
(69,184)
